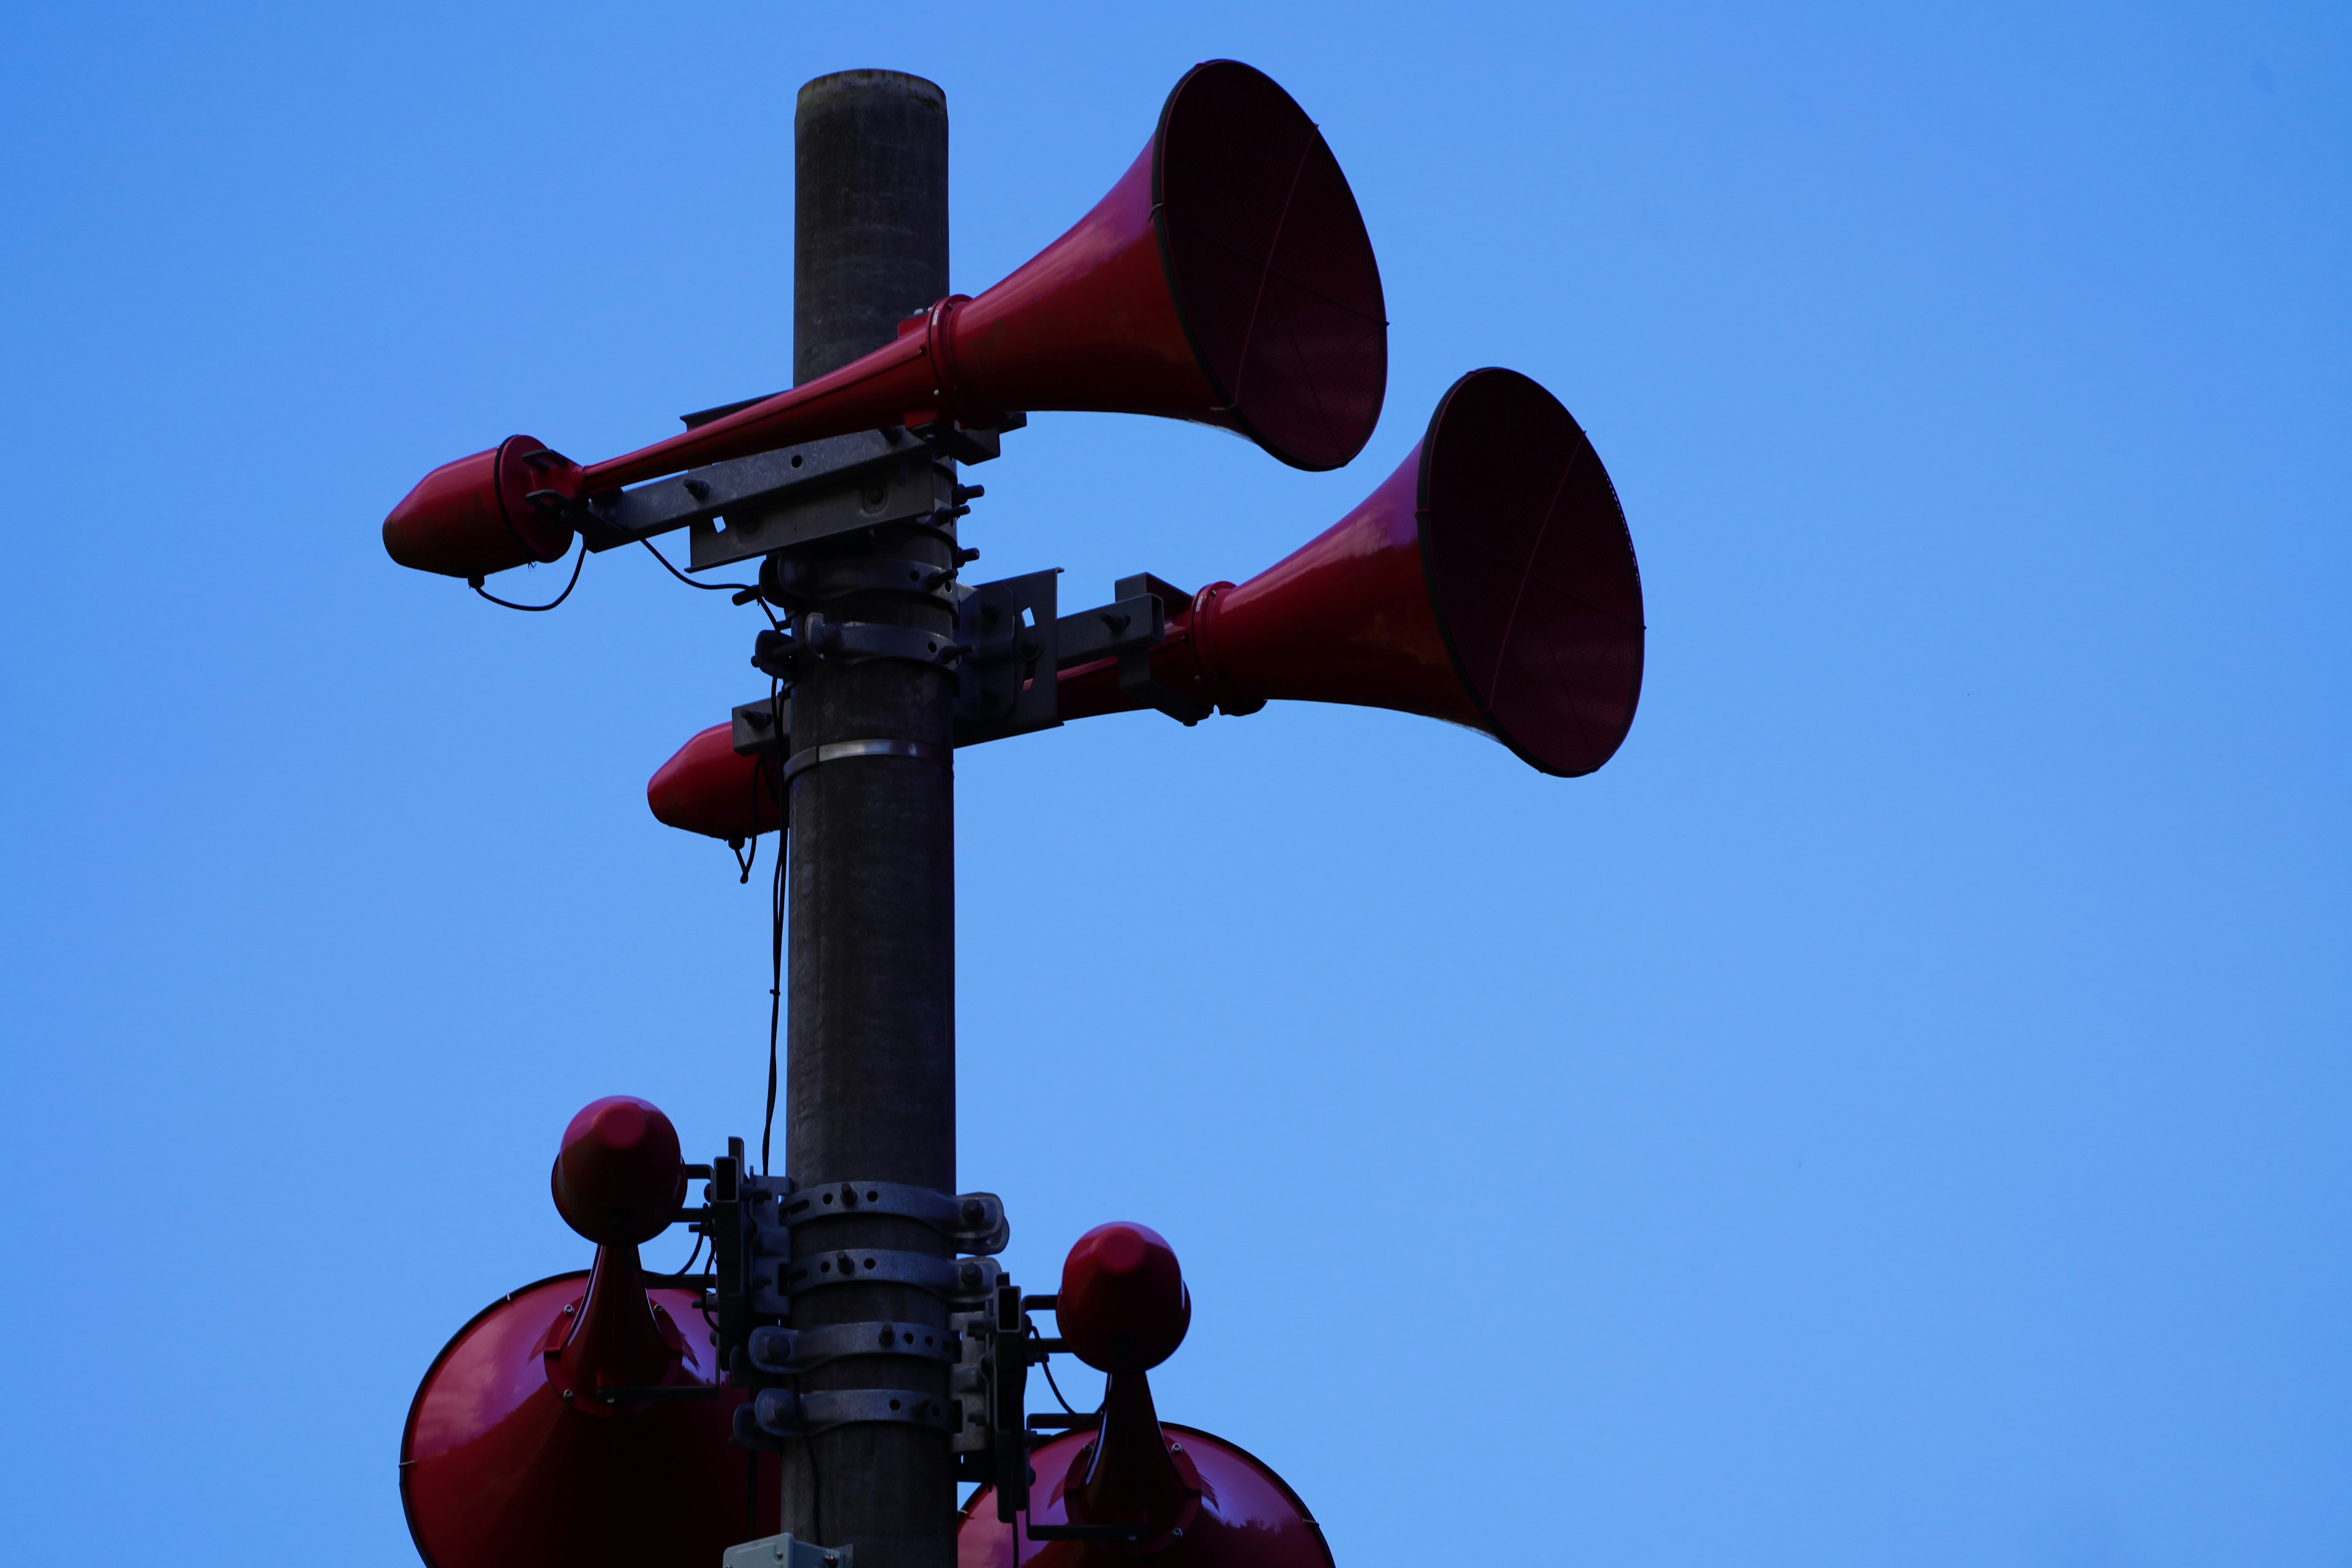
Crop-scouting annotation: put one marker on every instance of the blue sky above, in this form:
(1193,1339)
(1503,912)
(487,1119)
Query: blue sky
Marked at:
(1895,1112)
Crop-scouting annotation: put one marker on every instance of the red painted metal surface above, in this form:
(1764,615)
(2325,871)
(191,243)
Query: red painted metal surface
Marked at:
(469,518)
(1226,279)
(708,788)
(1235,1513)
(1188,1496)
(498,1471)
(618,1176)
(1123,1306)
(532,1441)
(1490,581)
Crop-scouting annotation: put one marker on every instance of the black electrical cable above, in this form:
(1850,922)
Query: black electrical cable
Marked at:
(756,598)
(776,930)
(577,561)
(1045,1365)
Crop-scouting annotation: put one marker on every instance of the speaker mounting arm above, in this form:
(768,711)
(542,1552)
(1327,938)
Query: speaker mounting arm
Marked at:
(773,500)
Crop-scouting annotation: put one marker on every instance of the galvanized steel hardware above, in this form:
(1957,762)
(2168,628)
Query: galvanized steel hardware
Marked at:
(856,642)
(960,1282)
(841,750)
(787,1352)
(975,1222)
(784,1415)
(990,1383)
(786,1552)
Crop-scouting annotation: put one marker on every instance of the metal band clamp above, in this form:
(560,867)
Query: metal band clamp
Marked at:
(788,1351)
(959,1282)
(975,1222)
(839,751)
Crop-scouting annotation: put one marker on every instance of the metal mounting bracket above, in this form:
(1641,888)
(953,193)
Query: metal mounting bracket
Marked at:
(964,1282)
(1135,679)
(856,642)
(777,1415)
(797,579)
(787,1352)
(1138,621)
(787,1551)
(748,506)
(1006,684)
(765,726)
(990,1383)
(975,1222)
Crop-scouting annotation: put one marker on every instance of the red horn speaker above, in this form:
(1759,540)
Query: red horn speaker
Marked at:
(584,1421)
(1226,279)
(1491,581)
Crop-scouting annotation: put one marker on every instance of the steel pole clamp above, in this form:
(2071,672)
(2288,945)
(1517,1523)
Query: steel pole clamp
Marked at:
(841,751)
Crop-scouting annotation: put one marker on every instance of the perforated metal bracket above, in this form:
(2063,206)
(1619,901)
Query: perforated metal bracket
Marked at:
(786,1552)
(785,1351)
(960,1282)
(975,1222)
(1006,687)
(771,500)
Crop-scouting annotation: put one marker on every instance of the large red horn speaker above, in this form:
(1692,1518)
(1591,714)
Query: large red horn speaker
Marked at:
(1491,580)
(1226,279)
(584,1420)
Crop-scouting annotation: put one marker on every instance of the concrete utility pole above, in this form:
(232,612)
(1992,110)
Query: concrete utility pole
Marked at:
(870,1093)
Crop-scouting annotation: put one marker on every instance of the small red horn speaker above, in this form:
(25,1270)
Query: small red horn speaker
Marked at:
(1490,581)
(1226,279)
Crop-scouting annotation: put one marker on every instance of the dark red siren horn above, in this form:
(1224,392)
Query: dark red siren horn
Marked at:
(577,1423)
(1491,580)
(1226,279)
(1130,1486)
(475,516)
(707,787)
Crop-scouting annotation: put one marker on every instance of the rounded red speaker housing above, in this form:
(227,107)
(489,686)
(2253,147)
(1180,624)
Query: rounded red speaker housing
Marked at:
(473,516)
(1123,1306)
(709,787)
(618,1178)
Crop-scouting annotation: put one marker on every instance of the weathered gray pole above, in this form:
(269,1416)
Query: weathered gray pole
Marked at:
(870,1091)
